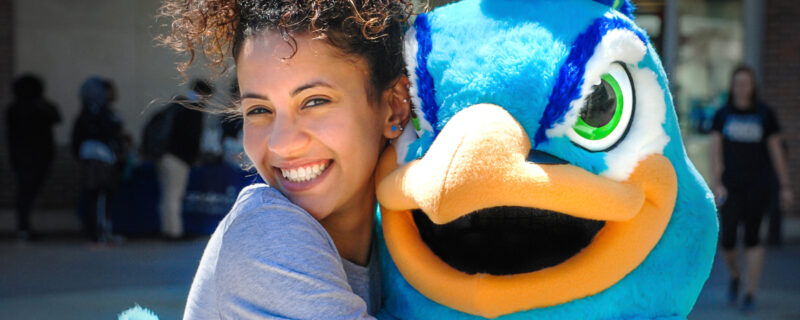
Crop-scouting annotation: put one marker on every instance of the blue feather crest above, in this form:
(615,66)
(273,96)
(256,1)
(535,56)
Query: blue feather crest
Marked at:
(427,89)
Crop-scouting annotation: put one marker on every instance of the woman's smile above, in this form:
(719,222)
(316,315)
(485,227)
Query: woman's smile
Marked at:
(298,178)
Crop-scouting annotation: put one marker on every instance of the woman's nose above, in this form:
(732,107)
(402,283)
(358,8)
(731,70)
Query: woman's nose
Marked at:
(287,137)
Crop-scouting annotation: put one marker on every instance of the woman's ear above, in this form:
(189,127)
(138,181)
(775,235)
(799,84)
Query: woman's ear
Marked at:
(399,108)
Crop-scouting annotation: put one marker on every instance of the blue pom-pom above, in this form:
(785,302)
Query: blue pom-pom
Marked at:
(137,313)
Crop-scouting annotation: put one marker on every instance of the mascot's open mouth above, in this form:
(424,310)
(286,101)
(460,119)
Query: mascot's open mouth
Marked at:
(459,226)
(507,240)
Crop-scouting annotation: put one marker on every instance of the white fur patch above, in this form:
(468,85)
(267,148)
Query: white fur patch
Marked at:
(617,45)
(646,135)
(410,135)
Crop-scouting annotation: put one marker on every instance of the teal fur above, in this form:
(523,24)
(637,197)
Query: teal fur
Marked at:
(137,313)
(481,69)
(508,53)
(418,148)
(469,72)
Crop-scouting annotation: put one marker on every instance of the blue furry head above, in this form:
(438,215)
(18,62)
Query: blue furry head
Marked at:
(544,62)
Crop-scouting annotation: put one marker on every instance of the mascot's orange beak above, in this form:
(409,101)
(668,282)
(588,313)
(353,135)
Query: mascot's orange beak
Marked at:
(479,161)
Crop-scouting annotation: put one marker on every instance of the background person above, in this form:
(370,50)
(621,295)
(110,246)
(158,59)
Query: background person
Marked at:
(30,122)
(98,141)
(746,156)
(181,153)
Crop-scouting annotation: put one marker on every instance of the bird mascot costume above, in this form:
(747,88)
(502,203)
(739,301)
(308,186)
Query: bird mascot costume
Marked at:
(543,174)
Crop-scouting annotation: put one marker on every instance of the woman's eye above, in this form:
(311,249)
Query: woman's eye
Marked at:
(607,111)
(315,102)
(258,110)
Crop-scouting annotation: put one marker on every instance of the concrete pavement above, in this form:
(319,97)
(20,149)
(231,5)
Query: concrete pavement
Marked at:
(778,297)
(63,277)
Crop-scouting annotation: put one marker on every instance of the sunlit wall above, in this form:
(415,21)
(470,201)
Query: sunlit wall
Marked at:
(67,41)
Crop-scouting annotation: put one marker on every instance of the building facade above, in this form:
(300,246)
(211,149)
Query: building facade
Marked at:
(780,73)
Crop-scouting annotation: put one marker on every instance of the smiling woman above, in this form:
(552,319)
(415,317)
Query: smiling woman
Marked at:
(322,91)
(309,127)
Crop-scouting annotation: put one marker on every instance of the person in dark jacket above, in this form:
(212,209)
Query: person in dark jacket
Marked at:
(30,119)
(182,152)
(97,142)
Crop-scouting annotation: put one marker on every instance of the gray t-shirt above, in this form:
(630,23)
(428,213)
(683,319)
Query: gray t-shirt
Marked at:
(269,258)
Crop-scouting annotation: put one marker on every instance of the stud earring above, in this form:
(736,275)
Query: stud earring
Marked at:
(405,100)
(394,128)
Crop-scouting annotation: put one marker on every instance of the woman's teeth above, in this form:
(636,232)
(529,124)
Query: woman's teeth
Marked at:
(302,174)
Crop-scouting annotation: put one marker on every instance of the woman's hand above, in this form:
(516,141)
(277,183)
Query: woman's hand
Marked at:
(720,194)
(787,197)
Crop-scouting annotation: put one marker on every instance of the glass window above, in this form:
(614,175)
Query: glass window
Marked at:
(711,41)
(710,46)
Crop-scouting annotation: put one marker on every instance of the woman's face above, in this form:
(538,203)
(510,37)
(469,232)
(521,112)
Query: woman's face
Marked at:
(743,87)
(309,127)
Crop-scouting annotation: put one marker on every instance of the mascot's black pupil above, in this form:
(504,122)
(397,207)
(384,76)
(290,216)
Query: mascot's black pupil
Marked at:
(600,106)
(507,240)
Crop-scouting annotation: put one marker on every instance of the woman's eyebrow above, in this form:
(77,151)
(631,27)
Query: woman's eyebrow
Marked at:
(248,95)
(316,83)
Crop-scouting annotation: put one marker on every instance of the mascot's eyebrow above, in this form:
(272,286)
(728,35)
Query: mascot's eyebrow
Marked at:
(427,90)
(570,76)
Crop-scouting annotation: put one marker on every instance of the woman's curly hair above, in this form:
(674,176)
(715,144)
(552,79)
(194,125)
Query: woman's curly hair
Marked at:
(370,29)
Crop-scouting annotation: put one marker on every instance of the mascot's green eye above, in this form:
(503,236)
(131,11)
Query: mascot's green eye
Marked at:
(602,111)
(607,111)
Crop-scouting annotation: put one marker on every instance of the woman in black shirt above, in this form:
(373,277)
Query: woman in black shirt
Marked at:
(746,159)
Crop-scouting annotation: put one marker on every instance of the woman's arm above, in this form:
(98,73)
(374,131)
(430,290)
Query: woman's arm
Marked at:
(273,261)
(717,167)
(775,147)
(276,265)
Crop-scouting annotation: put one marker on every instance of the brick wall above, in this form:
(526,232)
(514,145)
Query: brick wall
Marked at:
(781,76)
